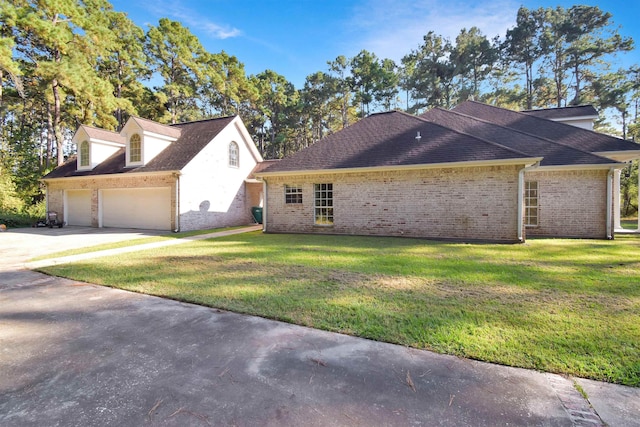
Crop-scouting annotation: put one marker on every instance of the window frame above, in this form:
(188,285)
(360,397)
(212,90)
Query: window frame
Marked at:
(323,207)
(292,194)
(234,155)
(531,204)
(138,150)
(84,155)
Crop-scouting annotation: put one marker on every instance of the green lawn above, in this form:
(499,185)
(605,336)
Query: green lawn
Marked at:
(565,306)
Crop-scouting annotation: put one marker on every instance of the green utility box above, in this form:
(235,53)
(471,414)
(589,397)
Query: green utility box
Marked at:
(256,211)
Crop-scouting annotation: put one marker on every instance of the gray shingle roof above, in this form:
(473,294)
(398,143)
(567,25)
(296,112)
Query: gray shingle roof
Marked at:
(572,136)
(554,153)
(194,136)
(155,127)
(389,139)
(105,135)
(564,112)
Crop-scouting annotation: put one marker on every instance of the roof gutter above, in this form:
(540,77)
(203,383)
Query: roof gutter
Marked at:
(470,164)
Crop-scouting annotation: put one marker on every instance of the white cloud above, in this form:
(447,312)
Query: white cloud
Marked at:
(195,20)
(393,29)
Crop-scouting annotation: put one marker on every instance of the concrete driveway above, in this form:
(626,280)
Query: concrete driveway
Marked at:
(76,354)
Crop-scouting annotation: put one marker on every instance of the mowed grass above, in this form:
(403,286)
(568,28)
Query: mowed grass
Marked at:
(564,306)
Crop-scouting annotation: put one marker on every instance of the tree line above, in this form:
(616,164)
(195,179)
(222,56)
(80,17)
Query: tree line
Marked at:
(70,62)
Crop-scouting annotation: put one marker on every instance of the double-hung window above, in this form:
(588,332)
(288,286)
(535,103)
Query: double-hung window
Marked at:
(323,204)
(531,203)
(292,194)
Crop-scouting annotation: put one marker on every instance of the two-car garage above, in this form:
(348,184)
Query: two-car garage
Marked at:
(143,208)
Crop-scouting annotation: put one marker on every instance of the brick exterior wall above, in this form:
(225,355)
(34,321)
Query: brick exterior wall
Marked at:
(571,203)
(55,190)
(459,203)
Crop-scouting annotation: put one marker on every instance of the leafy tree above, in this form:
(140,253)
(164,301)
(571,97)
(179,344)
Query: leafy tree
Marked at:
(432,73)
(523,46)
(176,55)
(474,57)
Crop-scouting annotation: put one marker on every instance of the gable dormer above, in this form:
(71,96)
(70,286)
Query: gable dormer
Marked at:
(94,146)
(145,139)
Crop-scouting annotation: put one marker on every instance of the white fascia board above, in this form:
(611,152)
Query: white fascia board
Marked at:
(574,118)
(159,136)
(620,156)
(242,129)
(606,166)
(104,142)
(112,175)
(527,161)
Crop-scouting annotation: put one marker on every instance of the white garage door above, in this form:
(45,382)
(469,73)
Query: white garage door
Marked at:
(78,207)
(146,208)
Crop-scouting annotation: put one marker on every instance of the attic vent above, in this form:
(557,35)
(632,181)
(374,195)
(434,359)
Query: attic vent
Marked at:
(418,136)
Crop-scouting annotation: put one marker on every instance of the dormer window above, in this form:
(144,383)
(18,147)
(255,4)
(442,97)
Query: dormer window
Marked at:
(84,154)
(234,155)
(135,149)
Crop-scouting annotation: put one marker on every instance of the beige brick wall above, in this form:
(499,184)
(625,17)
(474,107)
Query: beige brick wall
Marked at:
(463,203)
(55,190)
(571,203)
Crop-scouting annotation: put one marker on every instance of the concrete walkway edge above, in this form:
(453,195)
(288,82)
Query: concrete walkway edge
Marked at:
(135,248)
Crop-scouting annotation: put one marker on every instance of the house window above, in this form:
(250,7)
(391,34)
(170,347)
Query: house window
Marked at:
(233,155)
(292,194)
(531,203)
(135,149)
(84,154)
(323,206)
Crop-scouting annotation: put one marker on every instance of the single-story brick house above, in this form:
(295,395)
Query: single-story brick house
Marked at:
(186,176)
(475,172)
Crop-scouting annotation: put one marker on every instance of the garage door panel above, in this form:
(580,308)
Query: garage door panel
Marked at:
(146,208)
(78,207)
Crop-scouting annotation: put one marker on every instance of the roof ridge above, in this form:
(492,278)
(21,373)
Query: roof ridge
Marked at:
(557,108)
(520,113)
(472,136)
(204,120)
(526,133)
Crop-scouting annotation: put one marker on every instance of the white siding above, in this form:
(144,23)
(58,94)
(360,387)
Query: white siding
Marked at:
(212,193)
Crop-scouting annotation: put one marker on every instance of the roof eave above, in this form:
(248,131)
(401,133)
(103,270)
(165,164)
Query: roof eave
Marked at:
(603,166)
(111,175)
(621,156)
(526,161)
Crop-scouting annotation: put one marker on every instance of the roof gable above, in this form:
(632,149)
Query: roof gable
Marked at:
(574,111)
(194,136)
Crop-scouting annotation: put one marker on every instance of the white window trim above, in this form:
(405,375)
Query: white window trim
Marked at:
(137,162)
(294,191)
(88,165)
(528,199)
(237,157)
(318,206)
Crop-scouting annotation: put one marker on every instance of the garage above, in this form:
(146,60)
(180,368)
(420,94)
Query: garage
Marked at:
(77,207)
(145,208)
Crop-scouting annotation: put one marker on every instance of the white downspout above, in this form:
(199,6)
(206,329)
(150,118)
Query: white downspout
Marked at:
(520,204)
(264,205)
(609,202)
(177,220)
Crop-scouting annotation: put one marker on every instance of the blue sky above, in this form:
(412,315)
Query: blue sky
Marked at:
(297,37)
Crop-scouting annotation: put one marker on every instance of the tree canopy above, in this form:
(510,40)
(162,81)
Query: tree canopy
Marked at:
(70,62)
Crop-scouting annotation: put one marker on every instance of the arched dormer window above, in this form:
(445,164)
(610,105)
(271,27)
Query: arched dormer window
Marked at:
(135,149)
(234,154)
(84,154)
